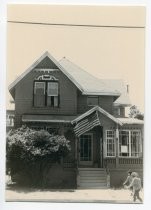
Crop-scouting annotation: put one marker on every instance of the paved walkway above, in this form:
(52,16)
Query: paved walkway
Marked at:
(82,195)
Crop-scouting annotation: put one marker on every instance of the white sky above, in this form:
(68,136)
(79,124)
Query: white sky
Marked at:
(113,53)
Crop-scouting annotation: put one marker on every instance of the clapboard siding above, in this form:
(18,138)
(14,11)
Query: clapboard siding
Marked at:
(104,102)
(67,92)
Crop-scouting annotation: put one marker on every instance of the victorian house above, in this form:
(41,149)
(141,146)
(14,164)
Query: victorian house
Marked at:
(64,99)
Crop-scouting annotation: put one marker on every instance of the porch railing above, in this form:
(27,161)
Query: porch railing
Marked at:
(122,162)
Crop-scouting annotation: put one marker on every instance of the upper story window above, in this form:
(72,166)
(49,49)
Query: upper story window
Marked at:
(117,111)
(46,91)
(92,100)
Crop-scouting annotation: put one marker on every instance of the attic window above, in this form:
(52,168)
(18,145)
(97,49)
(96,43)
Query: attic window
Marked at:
(92,100)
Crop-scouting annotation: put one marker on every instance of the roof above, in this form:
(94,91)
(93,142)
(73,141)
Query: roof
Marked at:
(48,118)
(90,84)
(85,82)
(97,108)
(119,85)
(131,121)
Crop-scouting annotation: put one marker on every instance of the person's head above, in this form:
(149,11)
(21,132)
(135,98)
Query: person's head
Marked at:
(129,172)
(134,174)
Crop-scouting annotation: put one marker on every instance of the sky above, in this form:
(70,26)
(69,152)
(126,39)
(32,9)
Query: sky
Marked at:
(105,52)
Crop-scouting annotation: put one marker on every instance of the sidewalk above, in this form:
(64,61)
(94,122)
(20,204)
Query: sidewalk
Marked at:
(80,195)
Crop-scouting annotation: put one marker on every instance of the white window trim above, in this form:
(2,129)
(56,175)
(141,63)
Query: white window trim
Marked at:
(131,130)
(114,144)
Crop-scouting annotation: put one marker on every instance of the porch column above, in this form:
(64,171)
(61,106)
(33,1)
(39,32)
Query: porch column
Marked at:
(76,161)
(117,147)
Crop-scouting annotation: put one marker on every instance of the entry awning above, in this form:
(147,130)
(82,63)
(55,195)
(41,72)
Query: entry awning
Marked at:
(48,118)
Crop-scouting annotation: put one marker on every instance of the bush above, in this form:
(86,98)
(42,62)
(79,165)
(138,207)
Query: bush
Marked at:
(31,152)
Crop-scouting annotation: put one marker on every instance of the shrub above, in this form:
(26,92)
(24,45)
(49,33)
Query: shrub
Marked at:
(31,152)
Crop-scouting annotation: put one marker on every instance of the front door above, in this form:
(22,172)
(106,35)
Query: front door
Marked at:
(86,149)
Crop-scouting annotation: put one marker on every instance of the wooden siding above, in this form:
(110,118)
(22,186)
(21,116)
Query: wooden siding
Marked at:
(24,96)
(104,102)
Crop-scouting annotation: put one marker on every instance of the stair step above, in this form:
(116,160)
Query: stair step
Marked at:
(93,185)
(102,187)
(93,178)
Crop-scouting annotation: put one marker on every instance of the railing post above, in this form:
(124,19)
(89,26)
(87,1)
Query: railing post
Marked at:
(117,147)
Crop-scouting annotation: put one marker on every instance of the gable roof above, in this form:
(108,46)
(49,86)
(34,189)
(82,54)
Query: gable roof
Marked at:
(85,82)
(97,108)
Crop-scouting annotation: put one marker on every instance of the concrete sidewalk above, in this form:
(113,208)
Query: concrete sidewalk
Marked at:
(82,195)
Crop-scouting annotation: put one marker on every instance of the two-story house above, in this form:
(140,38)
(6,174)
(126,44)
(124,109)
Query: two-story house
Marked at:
(62,98)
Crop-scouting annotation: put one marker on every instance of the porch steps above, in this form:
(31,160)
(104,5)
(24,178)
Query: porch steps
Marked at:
(92,178)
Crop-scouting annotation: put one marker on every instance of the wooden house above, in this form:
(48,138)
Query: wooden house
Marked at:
(62,98)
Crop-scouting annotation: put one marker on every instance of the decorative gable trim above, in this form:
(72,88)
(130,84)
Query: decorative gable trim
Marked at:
(46,54)
(46,77)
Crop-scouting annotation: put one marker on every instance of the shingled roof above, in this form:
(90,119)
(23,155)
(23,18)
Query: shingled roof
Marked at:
(85,82)
(92,85)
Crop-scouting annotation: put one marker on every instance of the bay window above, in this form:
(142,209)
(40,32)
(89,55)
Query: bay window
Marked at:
(129,144)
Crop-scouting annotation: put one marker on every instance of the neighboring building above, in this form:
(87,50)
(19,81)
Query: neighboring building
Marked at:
(63,98)
(10,115)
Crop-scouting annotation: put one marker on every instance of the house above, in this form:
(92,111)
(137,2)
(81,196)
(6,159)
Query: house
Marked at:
(62,98)
(9,119)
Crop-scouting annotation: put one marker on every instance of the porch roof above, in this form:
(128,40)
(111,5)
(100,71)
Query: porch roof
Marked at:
(97,108)
(131,121)
(48,118)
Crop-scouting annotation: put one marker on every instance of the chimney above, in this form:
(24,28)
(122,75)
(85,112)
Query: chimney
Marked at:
(127,88)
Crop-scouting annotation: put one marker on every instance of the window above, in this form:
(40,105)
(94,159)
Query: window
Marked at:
(124,143)
(46,93)
(130,143)
(39,94)
(136,148)
(117,111)
(92,100)
(110,143)
(52,94)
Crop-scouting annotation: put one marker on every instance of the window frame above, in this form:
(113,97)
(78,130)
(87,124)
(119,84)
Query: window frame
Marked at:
(114,143)
(130,148)
(45,93)
(130,145)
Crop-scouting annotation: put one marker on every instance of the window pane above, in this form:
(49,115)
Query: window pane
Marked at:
(52,101)
(124,143)
(110,143)
(39,88)
(39,94)
(52,89)
(135,143)
(92,101)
